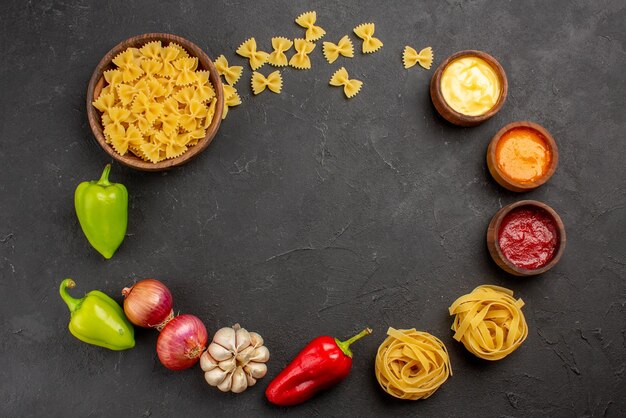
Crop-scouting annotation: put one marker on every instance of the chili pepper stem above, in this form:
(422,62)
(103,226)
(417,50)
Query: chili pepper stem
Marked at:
(345,345)
(104,178)
(71,302)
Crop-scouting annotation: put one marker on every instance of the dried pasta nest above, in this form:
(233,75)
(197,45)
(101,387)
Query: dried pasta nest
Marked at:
(411,364)
(489,322)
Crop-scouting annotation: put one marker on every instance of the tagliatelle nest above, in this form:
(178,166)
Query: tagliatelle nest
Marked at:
(489,322)
(411,364)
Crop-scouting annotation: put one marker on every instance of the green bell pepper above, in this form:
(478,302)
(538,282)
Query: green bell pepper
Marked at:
(97,319)
(102,210)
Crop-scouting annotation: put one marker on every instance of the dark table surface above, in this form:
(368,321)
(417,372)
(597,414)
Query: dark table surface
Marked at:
(311,214)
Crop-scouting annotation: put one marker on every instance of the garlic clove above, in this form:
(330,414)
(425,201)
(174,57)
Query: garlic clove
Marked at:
(226,384)
(260,354)
(251,380)
(226,337)
(243,339)
(228,365)
(240,382)
(215,377)
(243,357)
(207,362)
(218,352)
(256,339)
(256,370)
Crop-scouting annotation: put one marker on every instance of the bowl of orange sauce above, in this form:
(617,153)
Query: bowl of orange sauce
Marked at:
(522,156)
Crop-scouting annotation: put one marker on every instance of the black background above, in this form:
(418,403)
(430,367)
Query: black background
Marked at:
(311,214)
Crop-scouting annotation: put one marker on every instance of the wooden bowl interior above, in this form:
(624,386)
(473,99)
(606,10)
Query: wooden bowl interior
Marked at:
(501,177)
(494,244)
(97,83)
(448,112)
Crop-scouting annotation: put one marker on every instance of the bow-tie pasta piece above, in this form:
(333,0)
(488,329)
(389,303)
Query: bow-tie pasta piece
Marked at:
(410,57)
(186,67)
(332,51)
(127,63)
(365,31)
(350,87)
(155,104)
(273,82)
(231,73)
(231,99)
(151,50)
(300,59)
(489,322)
(307,21)
(277,57)
(248,49)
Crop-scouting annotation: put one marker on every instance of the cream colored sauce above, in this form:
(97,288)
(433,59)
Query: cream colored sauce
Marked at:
(470,86)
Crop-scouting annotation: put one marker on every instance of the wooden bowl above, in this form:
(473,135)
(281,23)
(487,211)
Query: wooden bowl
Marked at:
(501,177)
(494,245)
(97,82)
(452,115)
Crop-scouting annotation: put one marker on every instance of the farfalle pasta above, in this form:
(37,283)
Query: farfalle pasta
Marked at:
(307,20)
(156,103)
(410,57)
(230,73)
(341,78)
(300,59)
(274,82)
(411,364)
(277,57)
(231,99)
(257,58)
(332,51)
(489,322)
(365,31)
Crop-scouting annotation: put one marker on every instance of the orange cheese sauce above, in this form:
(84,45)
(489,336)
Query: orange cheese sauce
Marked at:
(523,155)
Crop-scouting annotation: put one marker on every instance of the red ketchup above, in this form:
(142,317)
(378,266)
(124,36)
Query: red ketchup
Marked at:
(528,237)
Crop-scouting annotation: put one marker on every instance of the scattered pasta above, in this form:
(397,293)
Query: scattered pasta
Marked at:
(156,103)
(350,87)
(365,31)
(489,322)
(300,59)
(410,57)
(411,364)
(307,21)
(343,47)
(248,49)
(277,57)
(231,99)
(231,73)
(273,82)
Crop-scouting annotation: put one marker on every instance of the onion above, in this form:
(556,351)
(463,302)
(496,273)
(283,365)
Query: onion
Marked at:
(148,304)
(181,342)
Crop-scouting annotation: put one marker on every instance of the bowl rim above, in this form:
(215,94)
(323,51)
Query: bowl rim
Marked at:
(468,120)
(502,178)
(94,116)
(494,227)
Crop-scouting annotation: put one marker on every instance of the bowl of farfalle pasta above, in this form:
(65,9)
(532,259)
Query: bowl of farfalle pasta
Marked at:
(155,101)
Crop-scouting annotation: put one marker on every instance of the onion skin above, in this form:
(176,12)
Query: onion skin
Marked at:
(181,342)
(148,303)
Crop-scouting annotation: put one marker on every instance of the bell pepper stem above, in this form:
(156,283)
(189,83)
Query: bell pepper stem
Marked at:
(345,345)
(71,302)
(104,178)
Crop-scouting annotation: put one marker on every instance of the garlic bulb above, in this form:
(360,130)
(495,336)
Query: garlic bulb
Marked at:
(235,359)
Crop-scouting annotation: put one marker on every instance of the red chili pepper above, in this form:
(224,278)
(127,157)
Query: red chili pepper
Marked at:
(323,363)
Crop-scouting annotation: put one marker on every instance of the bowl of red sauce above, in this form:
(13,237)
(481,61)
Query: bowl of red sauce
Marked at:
(526,238)
(522,156)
